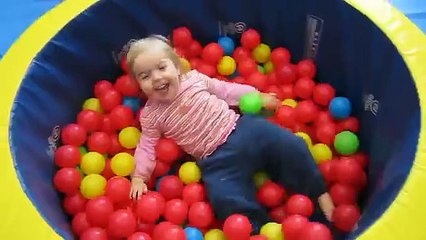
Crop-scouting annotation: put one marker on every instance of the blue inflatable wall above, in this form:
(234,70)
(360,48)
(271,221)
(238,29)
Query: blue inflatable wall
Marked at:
(351,53)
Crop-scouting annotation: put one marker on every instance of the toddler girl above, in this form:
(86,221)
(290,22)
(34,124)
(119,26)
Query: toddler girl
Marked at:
(194,110)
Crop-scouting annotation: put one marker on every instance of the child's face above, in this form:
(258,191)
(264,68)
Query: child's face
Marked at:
(157,75)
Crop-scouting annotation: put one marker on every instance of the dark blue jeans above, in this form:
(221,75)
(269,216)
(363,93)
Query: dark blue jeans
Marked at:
(256,144)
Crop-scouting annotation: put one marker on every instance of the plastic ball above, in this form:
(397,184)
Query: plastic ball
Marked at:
(250,39)
(227,44)
(176,211)
(193,233)
(286,116)
(348,124)
(194,49)
(323,93)
(258,80)
(122,223)
(110,99)
(251,103)
(328,170)
(139,236)
(343,194)
(345,217)
(306,111)
(348,171)
(127,86)
(260,178)
(93,185)
(304,87)
(280,56)
(189,172)
(185,65)
(237,226)
(93,104)
(122,164)
(261,69)
(200,215)
(325,132)
(121,117)
(118,189)
(321,152)
(258,237)
(212,53)
(99,142)
(207,68)
(67,156)
(73,134)
(168,231)
(150,207)
(299,204)
(133,102)
(306,68)
(226,66)
(240,54)
(272,231)
(289,102)
(286,73)
(181,36)
(129,137)
(246,67)
(261,53)
(305,138)
(94,233)
(90,120)
(98,211)
(79,223)
(67,180)
(92,163)
(102,87)
(193,192)
(287,90)
(74,203)
(293,226)
(277,214)
(167,150)
(346,143)
(214,234)
(171,187)
(340,107)
(271,194)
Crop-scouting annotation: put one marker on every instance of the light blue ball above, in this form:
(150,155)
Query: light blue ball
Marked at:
(227,44)
(132,102)
(340,107)
(193,233)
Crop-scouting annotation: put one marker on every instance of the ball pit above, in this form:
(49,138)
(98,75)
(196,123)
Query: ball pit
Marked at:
(288,77)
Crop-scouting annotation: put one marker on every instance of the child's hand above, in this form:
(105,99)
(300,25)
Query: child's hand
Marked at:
(327,206)
(270,101)
(138,188)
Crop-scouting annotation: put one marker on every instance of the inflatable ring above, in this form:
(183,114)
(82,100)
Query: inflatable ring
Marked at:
(400,216)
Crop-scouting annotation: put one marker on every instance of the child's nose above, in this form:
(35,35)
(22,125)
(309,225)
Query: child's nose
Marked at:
(156,75)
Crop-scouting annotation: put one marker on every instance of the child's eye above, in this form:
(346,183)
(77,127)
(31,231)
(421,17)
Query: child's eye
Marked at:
(144,77)
(162,67)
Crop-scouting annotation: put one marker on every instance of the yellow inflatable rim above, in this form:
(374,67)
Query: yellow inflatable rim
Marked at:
(403,219)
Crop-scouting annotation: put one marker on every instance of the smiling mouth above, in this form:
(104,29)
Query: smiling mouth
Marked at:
(162,87)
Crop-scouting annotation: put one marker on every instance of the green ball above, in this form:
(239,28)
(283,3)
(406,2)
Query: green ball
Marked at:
(83,150)
(251,103)
(346,143)
(261,69)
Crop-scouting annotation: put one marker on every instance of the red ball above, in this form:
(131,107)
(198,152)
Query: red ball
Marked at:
(107,124)
(193,192)
(127,86)
(286,73)
(343,194)
(237,227)
(107,172)
(121,117)
(110,99)
(280,56)
(345,217)
(74,203)
(115,145)
(288,91)
(176,211)
(277,214)
(161,169)
(258,80)
(168,231)
(150,207)
(206,69)
(90,120)
(293,226)
(304,87)
(147,228)
(258,237)
(123,64)
(272,78)
(195,62)
(181,37)
(118,189)
(94,233)
(99,142)
(99,210)
(299,204)
(271,194)
(306,68)
(67,156)
(323,93)
(362,159)
(194,49)
(122,223)
(324,116)
(200,215)
(139,236)
(348,124)
(239,79)
(286,116)
(250,39)
(167,150)
(67,180)
(348,171)
(246,67)
(316,231)
(306,111)
(240,54)
(212,53)
(79,223)
(73,134)
(101,87)
(328,170)
(325,132)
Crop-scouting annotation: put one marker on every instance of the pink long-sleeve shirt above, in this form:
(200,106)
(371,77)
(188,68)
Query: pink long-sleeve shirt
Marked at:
(199,119)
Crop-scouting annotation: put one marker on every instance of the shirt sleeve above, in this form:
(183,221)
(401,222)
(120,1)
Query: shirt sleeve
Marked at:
(145,151)
(227,91)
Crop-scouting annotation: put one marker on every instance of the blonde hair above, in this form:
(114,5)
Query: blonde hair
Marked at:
(151,43)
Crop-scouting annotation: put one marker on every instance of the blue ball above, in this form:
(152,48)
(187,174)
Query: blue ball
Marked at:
(132,102)
(193,233)
(227,44)
(340,107)
(234,75)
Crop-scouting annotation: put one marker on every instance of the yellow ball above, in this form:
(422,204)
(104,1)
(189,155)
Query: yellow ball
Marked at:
(321,152)
(92,163)
(289,102)
(129,137)
(214,234)
(268,66)
(261,53)
(260,178)
(189,172)
(122,164)
(93,185)
(226,66)
(272,231)
(185,65)
(305,137)
(93,104)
